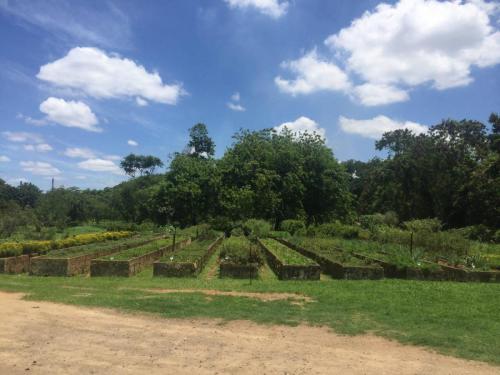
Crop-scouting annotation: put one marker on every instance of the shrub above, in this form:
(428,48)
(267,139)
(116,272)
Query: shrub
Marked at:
(239,250)
(390,218)
(336,229)
(280,234)
(292,226)
(257,228)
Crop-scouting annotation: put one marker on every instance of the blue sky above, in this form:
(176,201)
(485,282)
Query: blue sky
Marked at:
(83,83)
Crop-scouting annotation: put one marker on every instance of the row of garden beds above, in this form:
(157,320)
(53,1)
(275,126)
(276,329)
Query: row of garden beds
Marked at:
(335,263)
(77,260)
(134,260)
(288,264)
(189,261)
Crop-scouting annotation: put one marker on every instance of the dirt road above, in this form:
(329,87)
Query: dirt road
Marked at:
(48,338)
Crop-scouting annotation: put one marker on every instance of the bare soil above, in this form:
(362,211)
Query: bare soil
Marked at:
(49,338)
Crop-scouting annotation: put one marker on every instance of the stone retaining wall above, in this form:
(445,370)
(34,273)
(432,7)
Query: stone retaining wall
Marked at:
(239,271)
(16,264)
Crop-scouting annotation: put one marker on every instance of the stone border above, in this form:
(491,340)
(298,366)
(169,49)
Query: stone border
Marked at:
(15,264)
(185,269)
(288,271)
(338,270)
(80,264)
(130,267)
(239,271)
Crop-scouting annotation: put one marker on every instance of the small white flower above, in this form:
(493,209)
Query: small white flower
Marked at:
(171,258)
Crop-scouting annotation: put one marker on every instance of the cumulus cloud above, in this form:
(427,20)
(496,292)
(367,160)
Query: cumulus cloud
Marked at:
(133,143)
(301,125)
(397,47)
(77,152)
(73,114)
(41,147)
(95,73)
(234,103)
(39,168)
(4,159)
(377,126)
(22,137)
(141,102)
(312,74)
(272,8)
(100,165)
(415,42)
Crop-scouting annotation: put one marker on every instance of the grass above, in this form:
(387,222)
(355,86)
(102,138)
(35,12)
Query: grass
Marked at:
(459,319)
(286,255)
(82,229)
(135,252)
(239,250)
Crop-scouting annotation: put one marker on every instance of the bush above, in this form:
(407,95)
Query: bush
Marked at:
(479,233)
(423,225)
(239,250)
(237,232)
(292,226)
(390,218)
(257,228)
(281,234)
(335,229)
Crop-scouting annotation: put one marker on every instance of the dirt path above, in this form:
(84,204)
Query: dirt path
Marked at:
(48,338)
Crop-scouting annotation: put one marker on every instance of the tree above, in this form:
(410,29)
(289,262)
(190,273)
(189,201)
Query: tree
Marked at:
(144,164)
(199,141)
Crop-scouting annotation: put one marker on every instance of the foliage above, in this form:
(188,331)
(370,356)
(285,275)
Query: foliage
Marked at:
(279,234)
(285,254)
(200,144)
(423,225)
(189,254)
(335,229)
(292,226)
(256,228)
(144,164)
(239,250)
(135,252)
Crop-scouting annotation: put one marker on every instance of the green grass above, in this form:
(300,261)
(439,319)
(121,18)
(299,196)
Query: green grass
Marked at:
(239,250)
(82,229)
(285,254)
(135,252)
(459,319)
(190,253)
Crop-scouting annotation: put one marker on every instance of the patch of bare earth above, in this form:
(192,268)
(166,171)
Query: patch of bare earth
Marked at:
(49,338)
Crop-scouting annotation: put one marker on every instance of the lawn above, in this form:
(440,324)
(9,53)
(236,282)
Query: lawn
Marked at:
(460,319)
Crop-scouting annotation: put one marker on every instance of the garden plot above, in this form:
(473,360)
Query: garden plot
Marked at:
(338,264)
(187,262)
(76,260)
(239,258)
(133,260)
(288,264)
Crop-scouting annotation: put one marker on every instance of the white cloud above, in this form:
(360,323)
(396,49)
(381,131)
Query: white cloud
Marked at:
(112,157)
(100,165)
(95,73)
(41,147)
(377,126)
(141,102)
(313,74)
(39,168)
(22,137)
(4,159)
(235,97)
(371,94)
(236,107)
(73,114)
(271,8)
(301,125)
(415,42)
(133,143)
(76,152)
(32,121)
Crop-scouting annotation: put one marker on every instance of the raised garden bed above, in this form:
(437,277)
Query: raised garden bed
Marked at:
(15,264)
(239,258)
(288,264)
(338,264)
(187,262)
(134,260)
(74,261)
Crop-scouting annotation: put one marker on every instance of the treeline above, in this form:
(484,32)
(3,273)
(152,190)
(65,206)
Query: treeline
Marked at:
(452,173)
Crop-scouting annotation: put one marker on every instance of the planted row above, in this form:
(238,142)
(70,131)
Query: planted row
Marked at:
(8,249)
(288,264)
(239,258)
(338,264)
(186,262)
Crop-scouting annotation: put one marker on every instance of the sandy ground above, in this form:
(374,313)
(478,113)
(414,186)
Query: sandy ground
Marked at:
(48,338)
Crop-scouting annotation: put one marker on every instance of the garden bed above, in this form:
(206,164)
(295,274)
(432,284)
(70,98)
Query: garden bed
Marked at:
(132,261)
(239,258)
(288,264)
(187,262)
(338,264)
(77,260)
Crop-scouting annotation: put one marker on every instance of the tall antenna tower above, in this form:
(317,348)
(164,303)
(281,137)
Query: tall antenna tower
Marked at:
(52,183)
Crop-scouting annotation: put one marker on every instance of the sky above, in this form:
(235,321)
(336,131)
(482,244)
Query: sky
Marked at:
(84,83)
